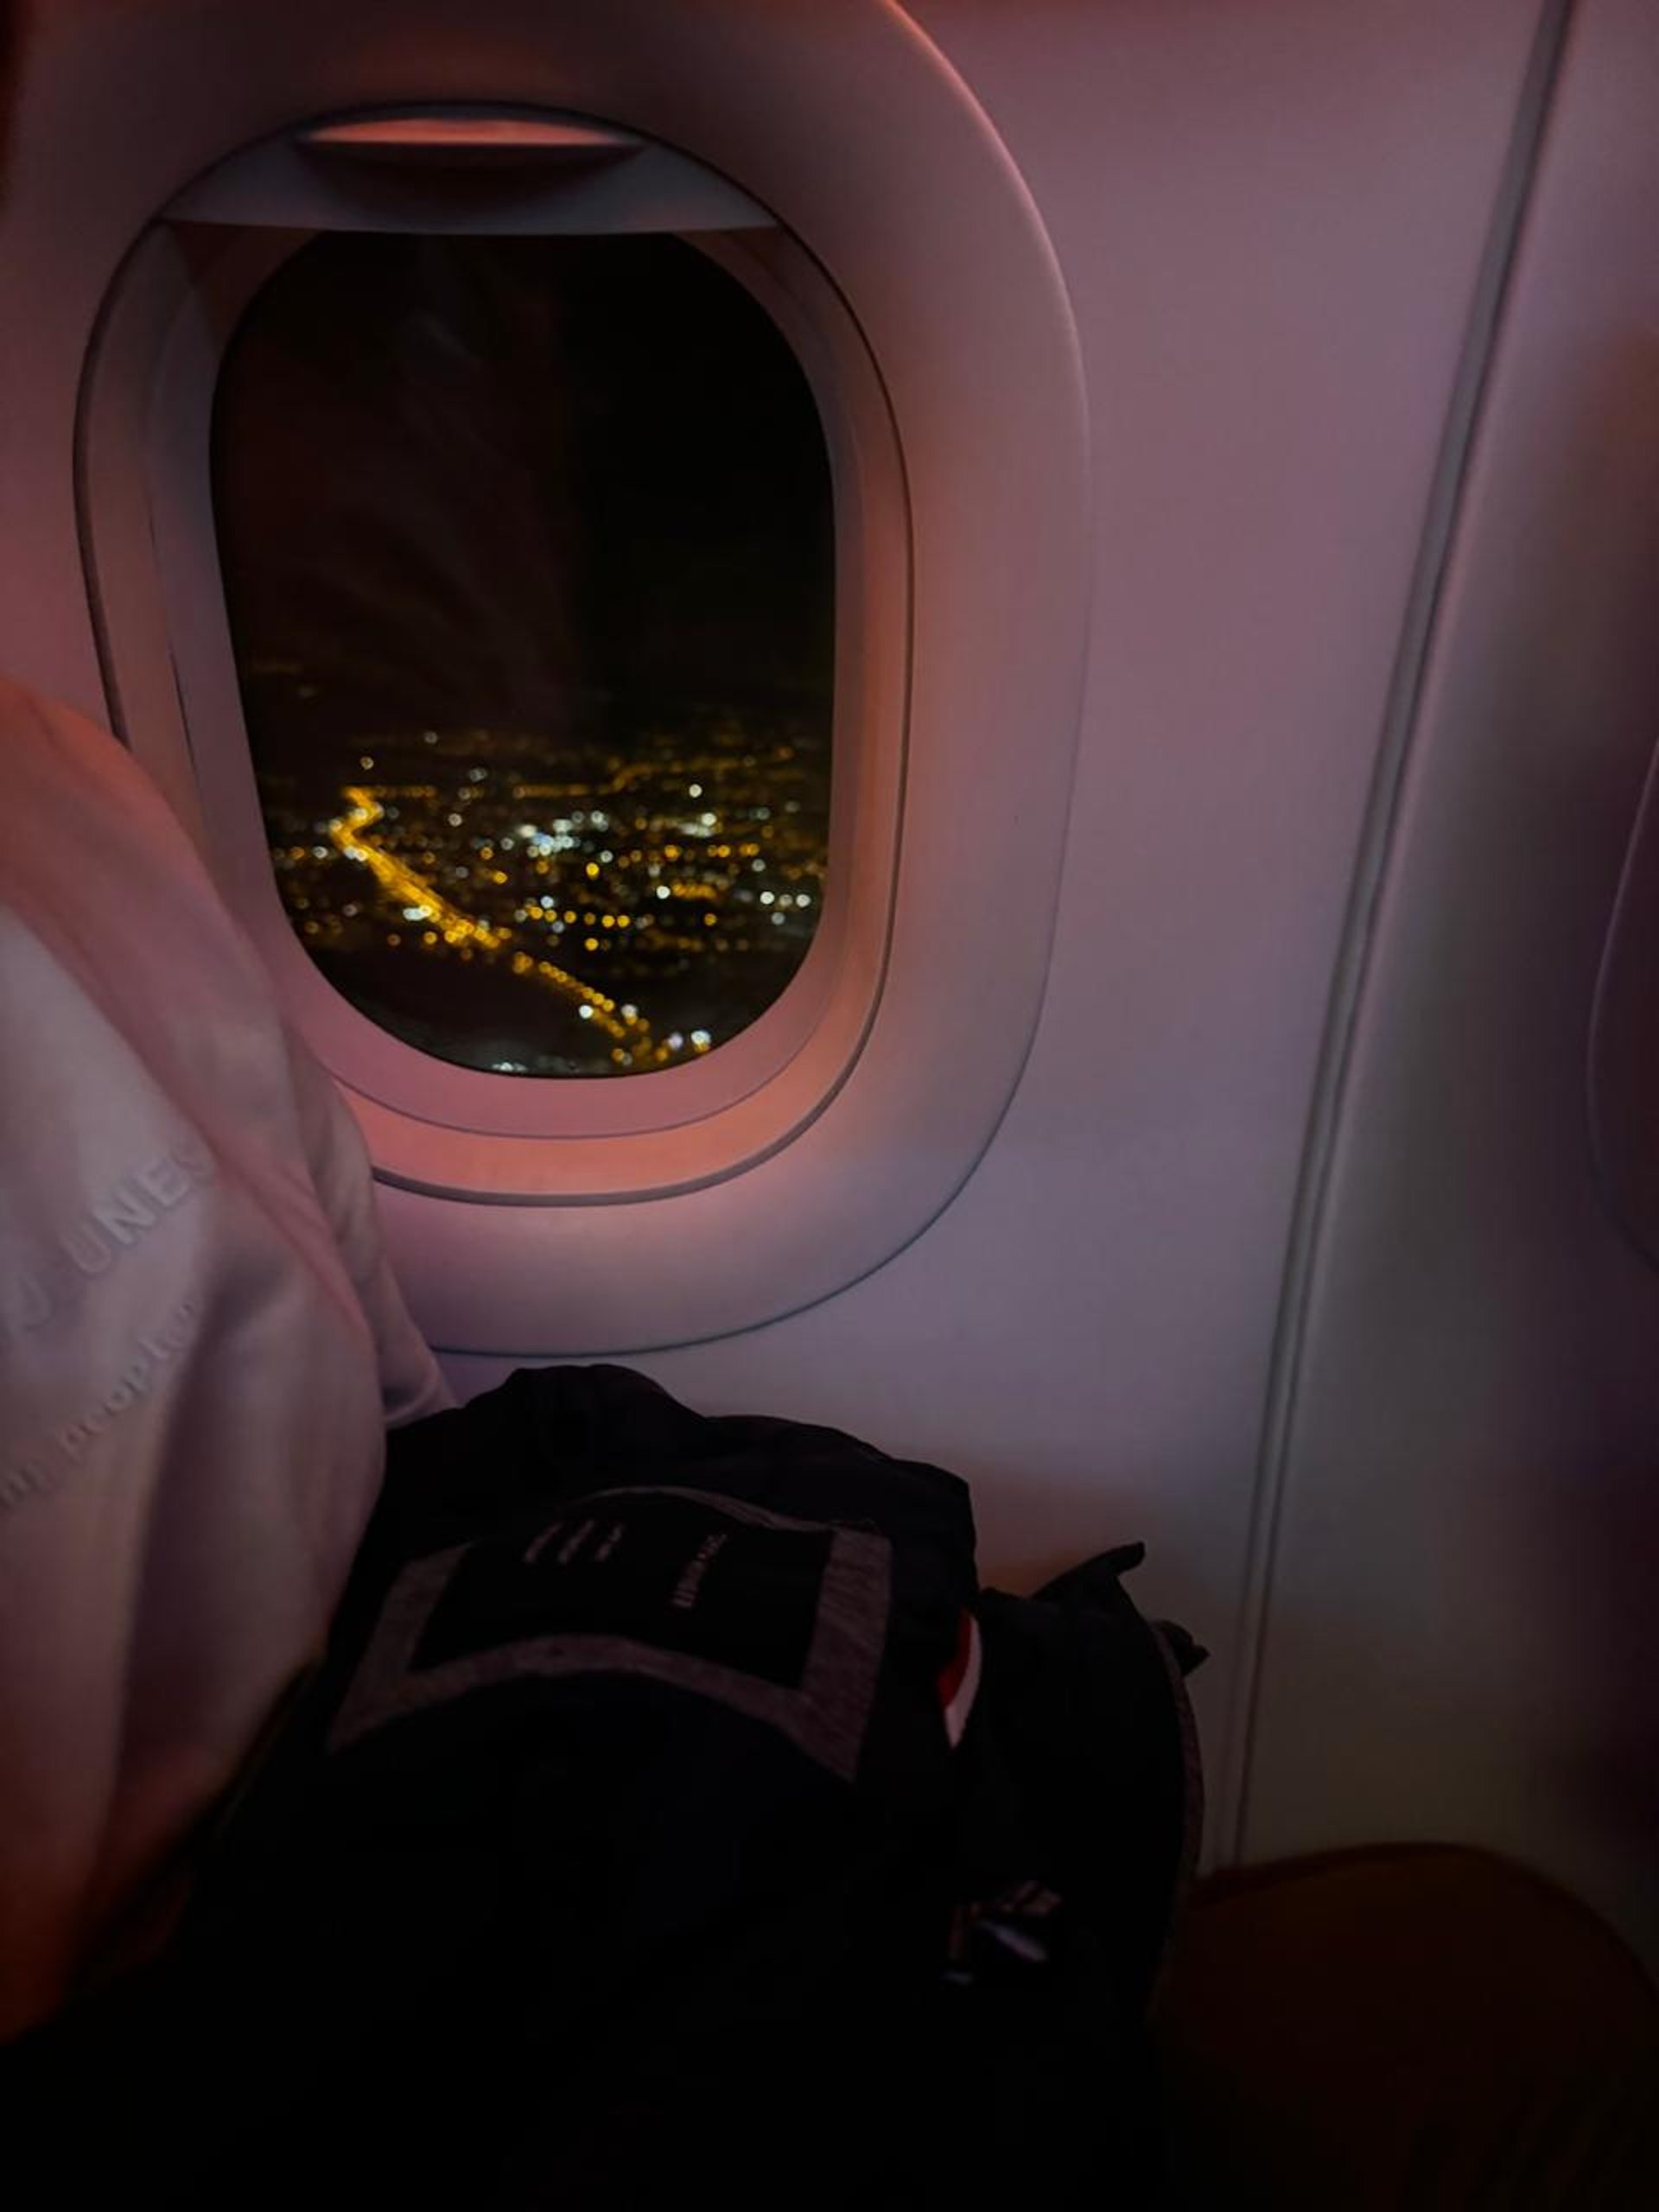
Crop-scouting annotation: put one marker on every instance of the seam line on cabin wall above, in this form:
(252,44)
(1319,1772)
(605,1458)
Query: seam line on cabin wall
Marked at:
(1418,635)
(97,341)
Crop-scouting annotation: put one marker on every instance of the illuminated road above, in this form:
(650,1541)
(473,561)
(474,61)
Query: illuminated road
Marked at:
(422,902)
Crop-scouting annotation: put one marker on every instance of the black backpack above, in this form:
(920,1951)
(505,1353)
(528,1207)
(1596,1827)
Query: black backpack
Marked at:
(677,1820)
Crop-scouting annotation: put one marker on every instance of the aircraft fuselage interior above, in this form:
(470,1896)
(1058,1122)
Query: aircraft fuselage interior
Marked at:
(942,715)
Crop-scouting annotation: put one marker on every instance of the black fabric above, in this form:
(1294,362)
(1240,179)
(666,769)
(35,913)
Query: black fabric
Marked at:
(1080,1781)
(620,1852)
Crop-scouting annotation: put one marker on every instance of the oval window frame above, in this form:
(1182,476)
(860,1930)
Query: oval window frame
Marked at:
(963,310)
(183,294)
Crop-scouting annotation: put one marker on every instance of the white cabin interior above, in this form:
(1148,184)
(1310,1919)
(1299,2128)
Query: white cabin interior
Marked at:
(1221,1106)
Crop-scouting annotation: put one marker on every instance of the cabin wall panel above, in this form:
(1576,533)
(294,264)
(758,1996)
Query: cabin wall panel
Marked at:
(1270,222)
(1462,1639)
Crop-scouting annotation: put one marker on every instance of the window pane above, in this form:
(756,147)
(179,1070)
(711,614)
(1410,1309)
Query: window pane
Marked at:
(528,554)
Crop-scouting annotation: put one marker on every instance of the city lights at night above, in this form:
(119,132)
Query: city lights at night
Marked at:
(625,916)
(528,555)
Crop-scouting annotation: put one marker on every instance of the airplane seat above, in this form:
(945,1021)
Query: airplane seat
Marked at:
(1408,2028)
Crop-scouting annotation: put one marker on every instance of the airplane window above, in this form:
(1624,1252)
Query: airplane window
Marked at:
(528,551)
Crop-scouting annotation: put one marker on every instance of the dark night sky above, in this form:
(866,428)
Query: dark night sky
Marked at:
(494,480)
